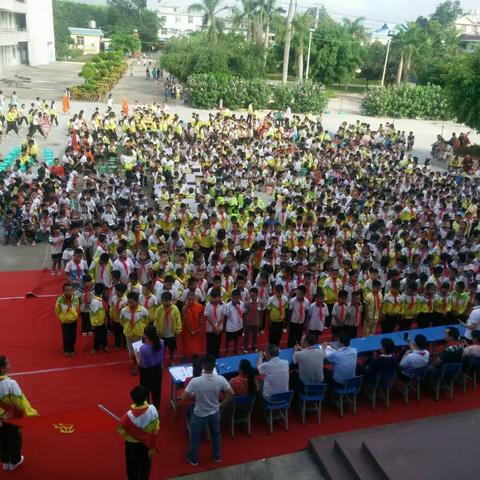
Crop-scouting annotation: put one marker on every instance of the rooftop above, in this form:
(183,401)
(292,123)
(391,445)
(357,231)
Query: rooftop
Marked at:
(92,32)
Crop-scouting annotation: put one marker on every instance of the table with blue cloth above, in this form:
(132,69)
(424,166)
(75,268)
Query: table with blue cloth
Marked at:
(228,366)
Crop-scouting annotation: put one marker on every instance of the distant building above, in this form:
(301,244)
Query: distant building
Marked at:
(87,39)
(468,27)
(178,22)
(383,34)
(26,33)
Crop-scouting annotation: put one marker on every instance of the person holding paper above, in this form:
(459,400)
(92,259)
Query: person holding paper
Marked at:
(139,428)
(150,358)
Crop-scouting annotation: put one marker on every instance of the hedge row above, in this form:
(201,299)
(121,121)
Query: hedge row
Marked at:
(407,101)
(206,91)
(101,73)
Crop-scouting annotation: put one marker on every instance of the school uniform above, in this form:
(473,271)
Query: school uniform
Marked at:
(97,319)
(67,312)
(214,314)
(298,316)
(277,309)
(316,318)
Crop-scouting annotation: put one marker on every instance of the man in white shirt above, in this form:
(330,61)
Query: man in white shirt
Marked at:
(416,357)
(206,390)
(473,322)
(275,370)
(309,359)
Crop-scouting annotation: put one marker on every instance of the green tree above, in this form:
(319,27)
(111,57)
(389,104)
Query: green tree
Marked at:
(372,66)
(447,12)
(336,52)
(462,85)
(210,10)
(128,15)
(125,42)
(248,14)
(301,26)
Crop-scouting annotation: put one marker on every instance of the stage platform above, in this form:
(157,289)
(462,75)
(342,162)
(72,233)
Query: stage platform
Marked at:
(439,448)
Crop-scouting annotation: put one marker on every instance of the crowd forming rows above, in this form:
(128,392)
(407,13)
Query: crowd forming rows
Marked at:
(288,228)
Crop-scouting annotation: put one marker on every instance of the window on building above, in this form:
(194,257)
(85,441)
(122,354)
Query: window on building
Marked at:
(177,19)
(175,10)
(163,18)
(164,31)
(190,19)
(80,40)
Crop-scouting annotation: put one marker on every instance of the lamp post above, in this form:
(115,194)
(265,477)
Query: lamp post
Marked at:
(311,30)
(390,37)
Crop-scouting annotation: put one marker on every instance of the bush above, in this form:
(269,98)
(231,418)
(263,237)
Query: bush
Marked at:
(427,101)
(230,55)
(206,91)
(101,73)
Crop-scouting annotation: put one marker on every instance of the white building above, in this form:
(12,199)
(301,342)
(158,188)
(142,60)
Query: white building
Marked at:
(176,21)
(26,32)
(468,27)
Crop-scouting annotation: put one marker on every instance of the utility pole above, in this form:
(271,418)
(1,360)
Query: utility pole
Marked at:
(390,36)
(311,30)
(288,40)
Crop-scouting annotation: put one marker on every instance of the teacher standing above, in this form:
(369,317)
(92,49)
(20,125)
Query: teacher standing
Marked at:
(150,360)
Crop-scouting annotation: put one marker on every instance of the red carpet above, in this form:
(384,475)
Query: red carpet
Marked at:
(31,339)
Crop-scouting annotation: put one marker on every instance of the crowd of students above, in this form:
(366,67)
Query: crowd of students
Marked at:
(348,232)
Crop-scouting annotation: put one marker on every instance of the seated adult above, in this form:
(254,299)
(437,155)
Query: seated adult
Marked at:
(244,383)
(386,361)
(417,356)
(309,360)
(343,360)
(275,371)
(473,350)
(452,353)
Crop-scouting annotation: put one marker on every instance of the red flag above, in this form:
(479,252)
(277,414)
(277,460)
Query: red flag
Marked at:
(86,420)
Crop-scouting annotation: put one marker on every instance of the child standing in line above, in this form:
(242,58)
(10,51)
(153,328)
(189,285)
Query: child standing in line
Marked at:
(56,241)
(117,302)
(98,320)
(149,301)
(339,314)
(252,319)
(85,295)
(168,323)
(234,312)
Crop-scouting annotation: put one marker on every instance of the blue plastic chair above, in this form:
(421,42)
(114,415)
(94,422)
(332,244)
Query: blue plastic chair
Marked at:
(314,393)
(414,383)
(242,407)
(382,385)
(279,403)
(471,371)
(449,373)
(348,393)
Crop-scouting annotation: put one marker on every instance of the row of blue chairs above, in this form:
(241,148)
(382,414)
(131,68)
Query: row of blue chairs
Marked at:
(10,158)
(278,405)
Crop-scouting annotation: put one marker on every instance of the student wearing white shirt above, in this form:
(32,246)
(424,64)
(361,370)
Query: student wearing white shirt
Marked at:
(214,314)
(124,265)
(234,311)
(299,307)
(317,314)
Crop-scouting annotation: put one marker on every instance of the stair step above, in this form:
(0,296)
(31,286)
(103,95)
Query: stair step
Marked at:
(361,466)
(330,462)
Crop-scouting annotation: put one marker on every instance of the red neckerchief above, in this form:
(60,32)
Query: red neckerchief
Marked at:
(280,308)
(69,303)
(357,314)
(300,311)
(102,246)
(378,304)
(132,315)
(79,270)
(238,309)
(168,315)
(102,270)
(342,313)
(145,303)
(125,265)
(86,294)
(321,314)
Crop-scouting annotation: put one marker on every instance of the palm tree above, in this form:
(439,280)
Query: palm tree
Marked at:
(408,40)
(288,40)
(248,14)
(301,26)
(269,12)
(210,10)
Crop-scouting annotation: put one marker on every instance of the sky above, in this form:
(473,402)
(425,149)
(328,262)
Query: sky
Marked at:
(376,12)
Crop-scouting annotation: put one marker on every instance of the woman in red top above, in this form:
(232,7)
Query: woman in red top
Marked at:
(192,340)
(244,383)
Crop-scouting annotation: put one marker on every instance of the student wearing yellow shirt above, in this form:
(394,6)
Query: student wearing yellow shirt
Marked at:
(277,306)
(66,310)
(97,319)
(168,323)
(459,302)
(409,301)
(391,307)
(134,319)
(373,308)
(117,302)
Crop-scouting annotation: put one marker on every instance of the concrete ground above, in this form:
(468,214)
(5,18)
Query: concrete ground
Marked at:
(298,466)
